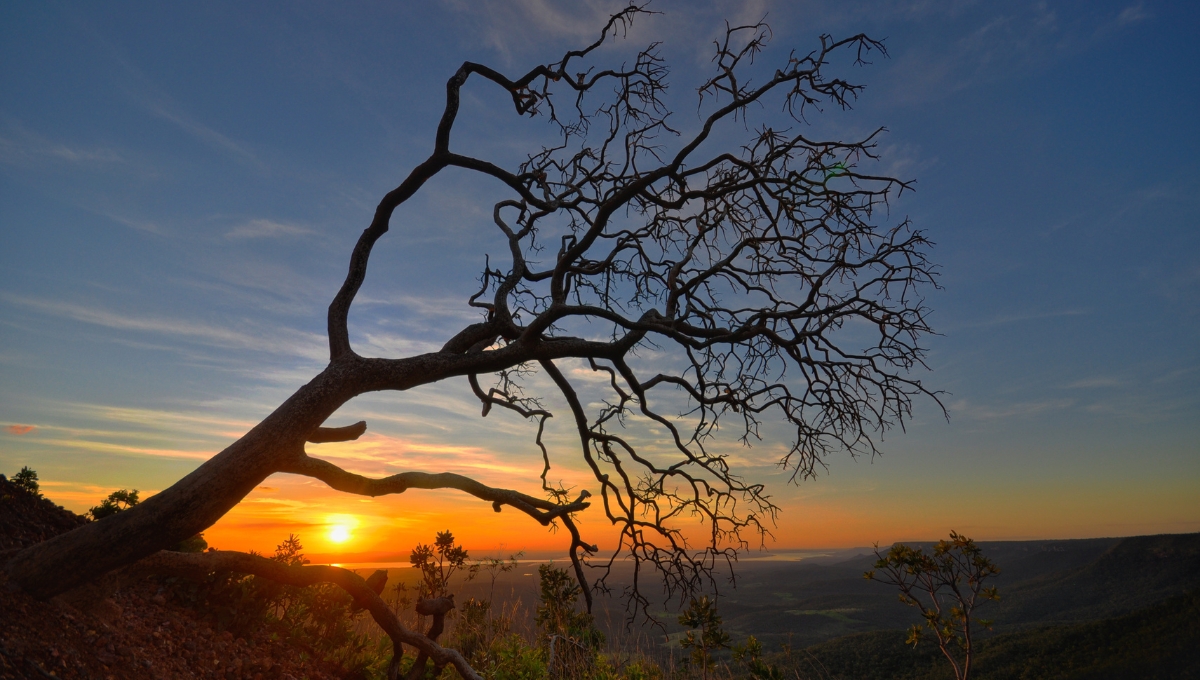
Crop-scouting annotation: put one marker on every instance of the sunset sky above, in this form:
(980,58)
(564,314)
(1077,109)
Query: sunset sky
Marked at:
(181,186)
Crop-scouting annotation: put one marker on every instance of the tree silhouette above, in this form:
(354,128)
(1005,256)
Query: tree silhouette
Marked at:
(27,479)
(437,564)
(764,274)
(117,501)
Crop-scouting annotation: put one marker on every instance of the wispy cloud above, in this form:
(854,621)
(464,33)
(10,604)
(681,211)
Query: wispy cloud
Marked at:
(133,432)
(1177,374)
(267,229)
(1133,14)
(296,343)
(151,97)
(1092,383)
(1005,319)
(251,281)
(426,305)
(139,224)
(20,146)
(388,345)
(109,448)
(15,152)
(173,421)
(1001,40)
(904,160)
(19,429)
(510,26)
(974,411)
(1007,41)
(198,130)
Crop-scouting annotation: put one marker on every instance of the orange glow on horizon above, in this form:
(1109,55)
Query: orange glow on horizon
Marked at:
(828,514)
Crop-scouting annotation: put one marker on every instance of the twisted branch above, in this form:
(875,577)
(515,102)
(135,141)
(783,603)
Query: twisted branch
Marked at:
(338,479)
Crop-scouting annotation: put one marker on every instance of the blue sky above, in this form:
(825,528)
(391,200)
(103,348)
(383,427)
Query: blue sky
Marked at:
(180,188)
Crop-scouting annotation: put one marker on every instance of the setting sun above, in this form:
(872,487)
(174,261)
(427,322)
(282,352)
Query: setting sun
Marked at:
(340,528)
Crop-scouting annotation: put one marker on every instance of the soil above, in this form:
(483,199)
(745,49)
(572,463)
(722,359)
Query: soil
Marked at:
(137,631)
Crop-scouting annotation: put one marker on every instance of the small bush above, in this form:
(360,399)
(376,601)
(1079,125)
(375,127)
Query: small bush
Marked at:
(318,619)
(27,479)
(571,637)
(117,501)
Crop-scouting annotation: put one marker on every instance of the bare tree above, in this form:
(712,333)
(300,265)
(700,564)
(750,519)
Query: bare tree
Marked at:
(765,274)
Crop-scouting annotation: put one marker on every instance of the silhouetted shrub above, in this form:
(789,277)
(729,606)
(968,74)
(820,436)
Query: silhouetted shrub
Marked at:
(27,479)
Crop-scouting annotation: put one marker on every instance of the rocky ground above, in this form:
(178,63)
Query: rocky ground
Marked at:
(137,631)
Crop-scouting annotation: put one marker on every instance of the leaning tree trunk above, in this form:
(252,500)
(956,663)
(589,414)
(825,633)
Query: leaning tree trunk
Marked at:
(188,507)
(197,501)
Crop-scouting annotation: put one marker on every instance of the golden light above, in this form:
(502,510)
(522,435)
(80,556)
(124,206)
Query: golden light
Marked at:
(339,533)
(340,528)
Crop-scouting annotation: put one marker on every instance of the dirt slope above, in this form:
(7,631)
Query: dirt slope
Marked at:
(135,632)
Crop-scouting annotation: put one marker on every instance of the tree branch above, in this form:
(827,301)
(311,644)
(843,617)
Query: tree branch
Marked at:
(338,479)
(325,435)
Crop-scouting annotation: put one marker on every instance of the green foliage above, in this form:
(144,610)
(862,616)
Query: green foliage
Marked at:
(515,659)
(489,643)
(638,669)
(557,613)
(27,479)
(318,619)
(117,501)
(945,586)
(289,553)
(490,646)
(437,564)
(750,655)
(1157,643)
(476,629)
(570,636)
(706,634)
(195,544)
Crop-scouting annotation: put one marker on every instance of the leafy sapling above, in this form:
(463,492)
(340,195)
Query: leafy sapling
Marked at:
(706,635)
(946,586)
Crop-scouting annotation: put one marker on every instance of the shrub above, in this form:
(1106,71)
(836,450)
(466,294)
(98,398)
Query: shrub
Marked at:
(318,619)
(27,479)
(706,634)
(116,502)
(571,637)
(438,564)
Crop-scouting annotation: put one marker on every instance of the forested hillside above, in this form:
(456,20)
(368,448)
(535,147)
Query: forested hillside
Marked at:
(1041,583)
(1158,642)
